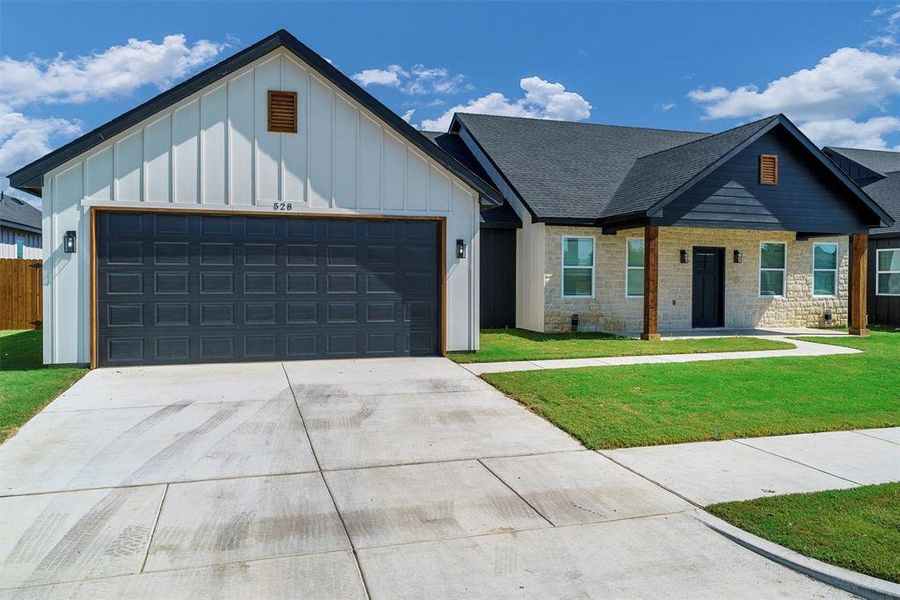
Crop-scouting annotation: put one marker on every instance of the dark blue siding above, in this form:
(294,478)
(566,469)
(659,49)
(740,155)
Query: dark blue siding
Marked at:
(883,310)
(808,198)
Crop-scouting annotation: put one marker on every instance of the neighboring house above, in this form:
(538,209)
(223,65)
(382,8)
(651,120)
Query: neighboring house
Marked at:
(20,229)
(644,230)
(189,240)
(878,173)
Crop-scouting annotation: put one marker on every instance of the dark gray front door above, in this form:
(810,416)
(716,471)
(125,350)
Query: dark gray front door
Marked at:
(709,287)
(190,288)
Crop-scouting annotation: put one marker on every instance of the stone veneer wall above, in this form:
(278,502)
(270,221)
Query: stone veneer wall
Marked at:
(610,310)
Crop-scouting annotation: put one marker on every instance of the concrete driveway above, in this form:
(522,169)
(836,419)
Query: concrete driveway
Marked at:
(395,478)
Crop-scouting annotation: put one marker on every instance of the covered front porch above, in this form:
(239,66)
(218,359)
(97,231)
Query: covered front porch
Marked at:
(735,281)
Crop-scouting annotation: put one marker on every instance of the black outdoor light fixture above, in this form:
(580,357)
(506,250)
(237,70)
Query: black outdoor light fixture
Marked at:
(460,249)
(738,257)
(69,242)
(684,256)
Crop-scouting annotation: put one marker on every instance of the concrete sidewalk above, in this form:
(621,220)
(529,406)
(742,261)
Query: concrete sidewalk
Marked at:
(802,348)
(711,472)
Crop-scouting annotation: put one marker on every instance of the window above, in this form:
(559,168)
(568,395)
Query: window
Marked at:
(20,247)
(772,260)
(634,268)
(282,112)
(768,169)
(887,281)
(825,265)
(578,267)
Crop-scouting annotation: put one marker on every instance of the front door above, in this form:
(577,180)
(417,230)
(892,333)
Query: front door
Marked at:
(709,287)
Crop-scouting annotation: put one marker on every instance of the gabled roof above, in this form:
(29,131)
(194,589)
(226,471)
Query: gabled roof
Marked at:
(29,178)
(18,214)
(884,188)
(563,170)
(579,173)
(657,176)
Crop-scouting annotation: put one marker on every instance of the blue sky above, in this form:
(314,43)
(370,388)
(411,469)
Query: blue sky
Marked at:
(659,64)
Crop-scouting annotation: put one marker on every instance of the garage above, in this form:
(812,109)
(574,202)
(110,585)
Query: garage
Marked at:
(176,287)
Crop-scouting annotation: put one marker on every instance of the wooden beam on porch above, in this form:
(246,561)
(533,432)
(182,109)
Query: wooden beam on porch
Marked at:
(651,283)
(859,264)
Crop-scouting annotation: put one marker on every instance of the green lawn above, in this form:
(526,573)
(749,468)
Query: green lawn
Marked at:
(858,529)
(642,405)
(519,344)
(25,385)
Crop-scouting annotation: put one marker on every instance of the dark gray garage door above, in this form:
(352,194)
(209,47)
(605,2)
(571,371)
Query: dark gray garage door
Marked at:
(201,288)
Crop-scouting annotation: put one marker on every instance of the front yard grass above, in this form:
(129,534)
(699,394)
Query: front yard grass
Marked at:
(858,529)
(25,385)
(518,344)
(643,405)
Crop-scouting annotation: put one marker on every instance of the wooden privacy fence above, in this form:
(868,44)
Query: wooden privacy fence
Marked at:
(20,293)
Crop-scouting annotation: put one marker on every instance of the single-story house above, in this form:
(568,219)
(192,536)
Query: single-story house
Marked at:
(878,173)
(20,228)
(630,229)
(269,208)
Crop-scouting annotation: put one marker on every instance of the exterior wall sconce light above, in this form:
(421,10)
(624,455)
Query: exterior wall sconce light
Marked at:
(738,257)
(69,242)
(684,256)
(460,249)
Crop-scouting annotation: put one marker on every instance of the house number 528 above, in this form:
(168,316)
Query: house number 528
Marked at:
(282,206)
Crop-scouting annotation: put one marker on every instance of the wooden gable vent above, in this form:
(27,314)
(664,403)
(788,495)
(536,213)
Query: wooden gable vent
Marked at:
(282,112)
(768,169)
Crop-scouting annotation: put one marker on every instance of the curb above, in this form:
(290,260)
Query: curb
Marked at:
(865,586)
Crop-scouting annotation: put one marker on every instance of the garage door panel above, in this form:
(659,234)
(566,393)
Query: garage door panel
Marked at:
(203,288)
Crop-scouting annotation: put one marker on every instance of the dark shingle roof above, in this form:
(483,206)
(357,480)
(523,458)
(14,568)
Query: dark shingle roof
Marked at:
(880,161)
(655,176)
(491,216)
(18,213)
(455,147)
(885,190)
(566,170)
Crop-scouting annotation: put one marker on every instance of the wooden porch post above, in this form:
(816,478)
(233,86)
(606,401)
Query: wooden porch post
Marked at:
(651,283)
(859,263)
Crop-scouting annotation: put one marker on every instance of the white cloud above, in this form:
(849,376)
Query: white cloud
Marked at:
(115,72)
(408,115)
(112,73)
(24,138)
(847,82)
(543,100)
(389,76)
(844,100)
(853,134)
(417,80)
(664,106)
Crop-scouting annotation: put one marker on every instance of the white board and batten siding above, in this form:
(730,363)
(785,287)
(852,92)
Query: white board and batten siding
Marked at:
(213,151)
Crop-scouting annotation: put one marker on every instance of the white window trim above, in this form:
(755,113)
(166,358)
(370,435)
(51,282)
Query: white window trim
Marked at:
(627,268)
(563,267)
(878,271)
(837,264)
(760,269)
